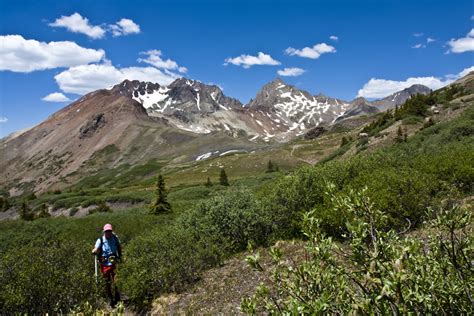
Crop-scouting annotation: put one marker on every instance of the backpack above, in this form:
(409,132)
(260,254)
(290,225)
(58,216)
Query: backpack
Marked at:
(119,247)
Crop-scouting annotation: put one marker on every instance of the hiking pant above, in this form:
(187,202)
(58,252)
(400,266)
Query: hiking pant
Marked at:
(108,273)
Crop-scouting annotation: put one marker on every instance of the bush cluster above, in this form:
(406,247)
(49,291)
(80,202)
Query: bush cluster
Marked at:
(376,271)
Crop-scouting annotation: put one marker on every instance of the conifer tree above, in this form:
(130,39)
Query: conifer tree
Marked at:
(344,141)
(208,183)
(399,137)
(26,213)
(270,167)
(160,204)
(223,178)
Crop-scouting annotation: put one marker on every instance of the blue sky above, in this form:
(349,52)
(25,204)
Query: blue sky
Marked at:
(58,50)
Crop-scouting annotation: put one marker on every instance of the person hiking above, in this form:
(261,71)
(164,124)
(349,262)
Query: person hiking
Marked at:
(108,251)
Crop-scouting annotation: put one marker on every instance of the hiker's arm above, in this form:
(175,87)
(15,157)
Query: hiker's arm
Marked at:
(96,247)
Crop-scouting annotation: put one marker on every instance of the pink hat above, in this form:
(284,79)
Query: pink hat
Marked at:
(107,227)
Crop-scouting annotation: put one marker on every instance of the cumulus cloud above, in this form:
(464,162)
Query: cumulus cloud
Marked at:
(86,78)
(418,34)
(464,44)
(430,40)
(465,72)
(3,119)
(154,58)
(311,52)
(248,61)
(418,46)
(124,27)
(21,55)
(379,88)
(291,72)
(77,24)
(333,38)
(56,97)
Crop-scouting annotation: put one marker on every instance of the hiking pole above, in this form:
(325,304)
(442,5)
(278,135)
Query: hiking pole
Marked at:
(96,273)
(96,264)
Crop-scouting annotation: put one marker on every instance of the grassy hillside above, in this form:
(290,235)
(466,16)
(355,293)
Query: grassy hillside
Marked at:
(383,184)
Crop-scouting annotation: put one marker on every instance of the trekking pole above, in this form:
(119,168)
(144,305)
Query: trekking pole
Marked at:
(96,273)
(96,263)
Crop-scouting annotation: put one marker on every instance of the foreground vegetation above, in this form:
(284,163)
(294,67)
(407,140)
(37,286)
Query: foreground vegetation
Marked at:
(45,264)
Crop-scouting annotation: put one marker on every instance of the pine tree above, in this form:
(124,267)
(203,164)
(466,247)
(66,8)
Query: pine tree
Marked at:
(223,178)
(43,211)
(344,141)
(270,167)
(208,183)
(400,137)
(26,213)
(160,204)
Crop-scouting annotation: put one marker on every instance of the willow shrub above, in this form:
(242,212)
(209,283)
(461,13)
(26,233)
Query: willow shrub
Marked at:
(375,271)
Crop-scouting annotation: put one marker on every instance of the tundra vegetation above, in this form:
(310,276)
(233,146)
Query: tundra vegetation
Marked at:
(387,230)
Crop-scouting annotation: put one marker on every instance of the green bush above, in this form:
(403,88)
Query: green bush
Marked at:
(376,271)
(53,278)
(213,230)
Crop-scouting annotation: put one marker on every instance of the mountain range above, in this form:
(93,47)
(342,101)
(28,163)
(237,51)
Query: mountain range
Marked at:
(187,120)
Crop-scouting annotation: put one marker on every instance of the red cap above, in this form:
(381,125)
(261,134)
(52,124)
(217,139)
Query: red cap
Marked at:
(107,227)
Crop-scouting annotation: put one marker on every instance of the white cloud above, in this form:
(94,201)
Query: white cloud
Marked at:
(56,97)
(77,24)
(464,44)
(124,27)
(418,34)
(379,88)
(430,40)
(333,38)
(248,61)
(21,55)
(466,71)
(291,72)
(472,17)
(311,52)
(86,78)
(418,46)
(3,119)
(154,59)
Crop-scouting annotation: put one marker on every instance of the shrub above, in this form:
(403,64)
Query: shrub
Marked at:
(377,271)
(101,207)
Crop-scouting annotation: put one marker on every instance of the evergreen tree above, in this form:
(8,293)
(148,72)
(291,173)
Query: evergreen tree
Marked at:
(160,204)
(43,211)
(223,178)
(270,167)
(4,204)
(344,141)
(208,183)
(26,213)
(399,137)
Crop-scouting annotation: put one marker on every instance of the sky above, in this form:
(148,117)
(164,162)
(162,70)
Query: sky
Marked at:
(52,52)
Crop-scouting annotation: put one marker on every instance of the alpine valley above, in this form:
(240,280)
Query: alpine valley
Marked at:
(135,122)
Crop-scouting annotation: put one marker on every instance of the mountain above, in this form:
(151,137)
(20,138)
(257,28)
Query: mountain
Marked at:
(360,106)
(103,129)
(279,111)
(291,111)
(134,122)
(400,97)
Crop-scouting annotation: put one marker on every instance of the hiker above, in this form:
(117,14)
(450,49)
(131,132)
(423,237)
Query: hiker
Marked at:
(108,251)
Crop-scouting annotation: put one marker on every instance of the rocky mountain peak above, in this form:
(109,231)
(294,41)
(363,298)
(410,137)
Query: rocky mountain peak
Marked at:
(134,88)
(400,97)
(417,88)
